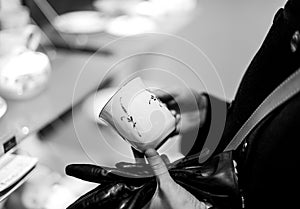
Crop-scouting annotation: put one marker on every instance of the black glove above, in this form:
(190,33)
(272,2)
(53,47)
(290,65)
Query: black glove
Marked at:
(132,185)
(129,187)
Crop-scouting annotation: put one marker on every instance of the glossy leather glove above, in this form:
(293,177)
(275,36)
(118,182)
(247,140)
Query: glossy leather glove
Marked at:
(119,188)
(132,185)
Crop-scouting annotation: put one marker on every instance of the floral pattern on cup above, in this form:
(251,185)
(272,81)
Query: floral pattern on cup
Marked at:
(128,117)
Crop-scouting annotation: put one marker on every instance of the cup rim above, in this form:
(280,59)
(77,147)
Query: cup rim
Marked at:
(118,90)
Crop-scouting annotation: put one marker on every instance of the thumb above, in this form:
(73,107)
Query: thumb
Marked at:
(158,166)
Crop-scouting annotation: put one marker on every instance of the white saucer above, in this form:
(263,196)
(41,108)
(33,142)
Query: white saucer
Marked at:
(80,22)
(3,107)
(130,25)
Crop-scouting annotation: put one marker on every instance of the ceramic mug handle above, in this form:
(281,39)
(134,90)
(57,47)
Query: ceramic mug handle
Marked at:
(33,37)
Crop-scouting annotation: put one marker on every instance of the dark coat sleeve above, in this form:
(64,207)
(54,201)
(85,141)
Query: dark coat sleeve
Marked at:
(272,64)
(268,165)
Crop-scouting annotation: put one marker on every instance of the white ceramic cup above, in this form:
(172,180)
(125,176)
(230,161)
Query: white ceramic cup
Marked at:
(14,40)
(23,72)
(24,75)
(138,116)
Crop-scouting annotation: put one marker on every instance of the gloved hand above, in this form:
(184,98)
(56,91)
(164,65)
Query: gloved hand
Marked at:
(119,188)
(177,185)
(213,182)
(169,194)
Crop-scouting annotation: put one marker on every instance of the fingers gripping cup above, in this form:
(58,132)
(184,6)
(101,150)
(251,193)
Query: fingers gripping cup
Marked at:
(138,116)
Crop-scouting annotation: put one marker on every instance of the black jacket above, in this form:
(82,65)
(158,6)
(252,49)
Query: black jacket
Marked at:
(268,158)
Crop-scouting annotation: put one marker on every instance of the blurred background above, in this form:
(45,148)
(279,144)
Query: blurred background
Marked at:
(60,60)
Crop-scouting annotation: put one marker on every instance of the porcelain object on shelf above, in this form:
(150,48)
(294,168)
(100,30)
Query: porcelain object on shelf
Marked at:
(80,22)
(16,40)
(24,75)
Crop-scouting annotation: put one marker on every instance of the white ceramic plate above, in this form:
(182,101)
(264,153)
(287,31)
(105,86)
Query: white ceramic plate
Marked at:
(130,25)
(80,22)
(3,107)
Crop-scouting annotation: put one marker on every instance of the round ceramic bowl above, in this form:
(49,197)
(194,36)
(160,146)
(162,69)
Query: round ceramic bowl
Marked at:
(24,75)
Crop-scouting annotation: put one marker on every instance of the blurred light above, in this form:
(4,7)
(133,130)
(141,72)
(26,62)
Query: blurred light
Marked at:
(156,8)
(60,198)
(25,130)
(130,25)
(80,22)
(149,8)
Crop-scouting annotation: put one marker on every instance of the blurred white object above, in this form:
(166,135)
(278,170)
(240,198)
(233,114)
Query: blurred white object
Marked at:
(14,40)
(95,103)
(48,189)
(13,14)
(3,107)
(115,7)
(24,75)
(130,25)
(156,8)
(38,188)
(13,168)
(60,198)
(80,22)
(66,192)
(153,8)
(10,4)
